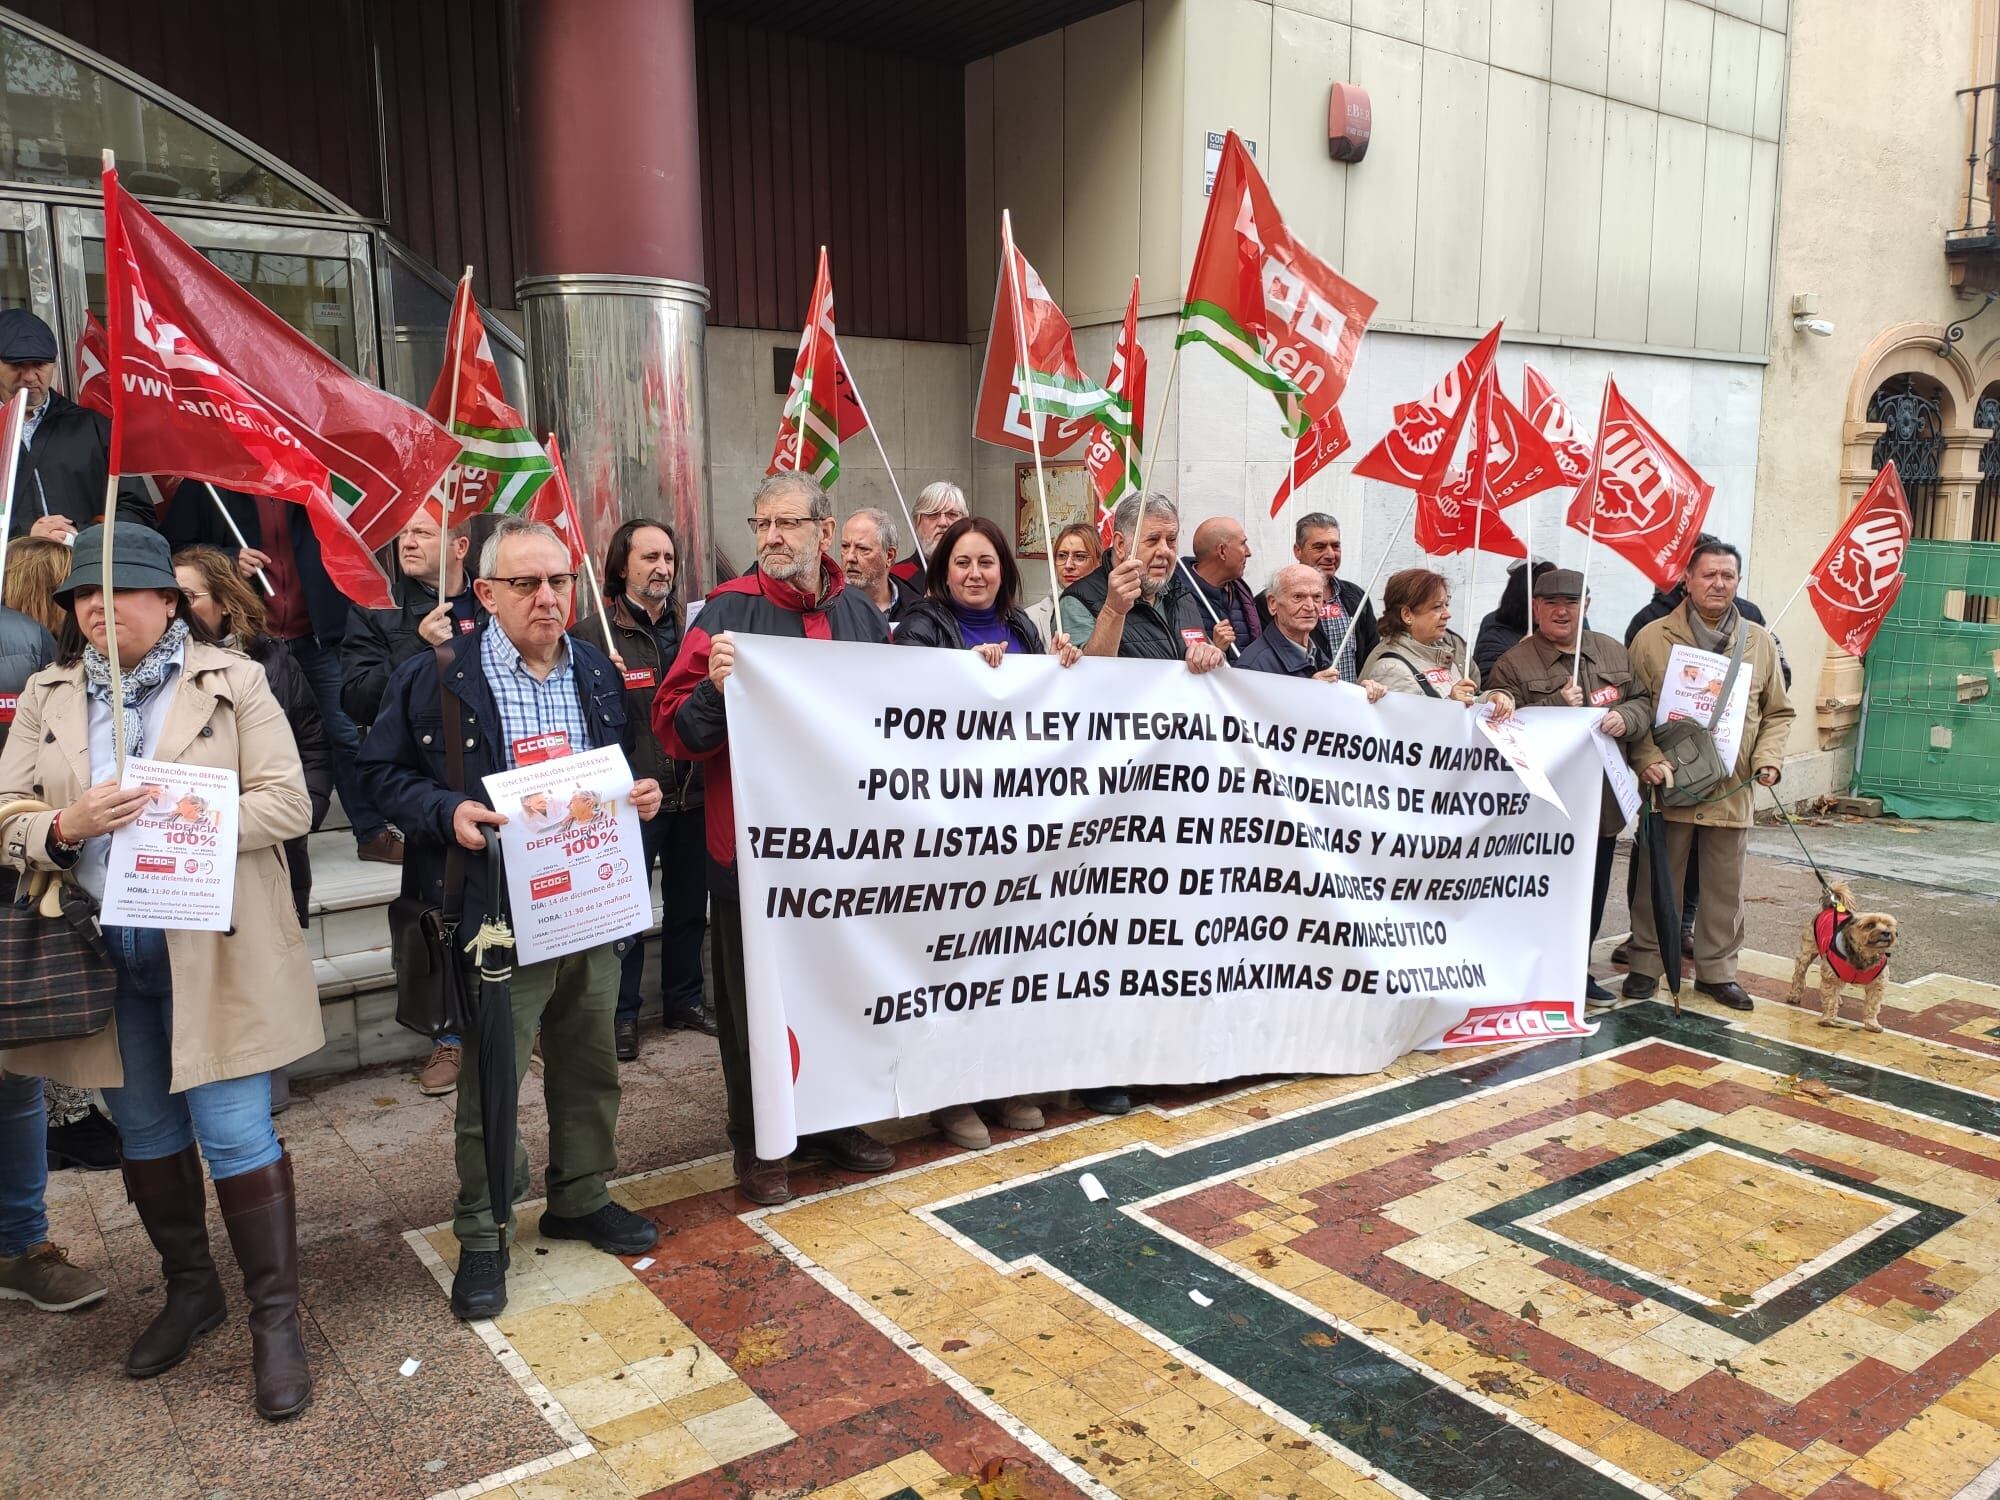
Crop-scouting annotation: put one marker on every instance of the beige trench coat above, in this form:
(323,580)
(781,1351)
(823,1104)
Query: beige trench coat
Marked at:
(1766,724)
(244,1001)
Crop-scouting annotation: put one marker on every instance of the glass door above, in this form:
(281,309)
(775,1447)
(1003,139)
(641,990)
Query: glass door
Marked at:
(318,280)
(27,275)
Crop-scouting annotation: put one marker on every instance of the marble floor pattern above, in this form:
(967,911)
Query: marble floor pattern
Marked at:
(1699,1256)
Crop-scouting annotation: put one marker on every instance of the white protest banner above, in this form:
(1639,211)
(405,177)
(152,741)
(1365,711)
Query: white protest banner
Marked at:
(576,871)
(1694,682)
(1507,738)
(174,866)
(961,883)
(1618,771)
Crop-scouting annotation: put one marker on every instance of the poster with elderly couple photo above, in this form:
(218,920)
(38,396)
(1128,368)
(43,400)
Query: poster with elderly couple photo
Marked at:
(1070,501)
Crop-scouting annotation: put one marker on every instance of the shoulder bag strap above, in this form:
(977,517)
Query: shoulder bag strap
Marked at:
(454,769)
(1416,672)
(1729,681)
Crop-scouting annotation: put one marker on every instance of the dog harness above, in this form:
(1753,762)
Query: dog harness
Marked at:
(1829,936)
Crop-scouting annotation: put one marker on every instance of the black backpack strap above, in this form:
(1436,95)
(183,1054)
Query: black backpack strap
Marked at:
(453,905)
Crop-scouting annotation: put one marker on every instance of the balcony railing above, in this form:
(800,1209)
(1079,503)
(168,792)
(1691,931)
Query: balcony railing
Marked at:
(1977,237)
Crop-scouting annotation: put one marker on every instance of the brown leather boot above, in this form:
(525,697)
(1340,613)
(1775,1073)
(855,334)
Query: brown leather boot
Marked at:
(173,1205)
(262,1217)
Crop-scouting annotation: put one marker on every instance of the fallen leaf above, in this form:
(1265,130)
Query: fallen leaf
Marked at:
(760,1346)
(1318,1340)
(952,1346)
(1733,1299)
(1266,1258)
(1498,1383)
(1532,1313)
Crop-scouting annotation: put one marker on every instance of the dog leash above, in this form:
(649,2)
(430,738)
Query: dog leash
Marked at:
(1787,819)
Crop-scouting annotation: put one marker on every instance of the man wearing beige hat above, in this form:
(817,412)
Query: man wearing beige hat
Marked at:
(1537,673)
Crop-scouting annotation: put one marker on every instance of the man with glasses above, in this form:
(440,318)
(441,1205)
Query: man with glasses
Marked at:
(796,590)
(1537,674)
(940,506)
(525,690)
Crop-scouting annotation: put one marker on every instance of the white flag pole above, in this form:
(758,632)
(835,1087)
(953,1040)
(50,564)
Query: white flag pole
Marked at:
(1590,536)
(1805,583)
(462,309)
(237,532)
(10,469)
(806,388)
(110,597)
(1023,382)
(854,389)
(1354,616)
(1481,494)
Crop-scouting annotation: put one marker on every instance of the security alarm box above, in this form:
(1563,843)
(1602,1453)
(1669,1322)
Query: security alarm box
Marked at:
(1348,120)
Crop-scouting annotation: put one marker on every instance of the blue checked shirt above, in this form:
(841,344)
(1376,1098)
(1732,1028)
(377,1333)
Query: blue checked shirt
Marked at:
(530,705)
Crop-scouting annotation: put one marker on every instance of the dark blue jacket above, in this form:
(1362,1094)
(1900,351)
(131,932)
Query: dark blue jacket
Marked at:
(403,759)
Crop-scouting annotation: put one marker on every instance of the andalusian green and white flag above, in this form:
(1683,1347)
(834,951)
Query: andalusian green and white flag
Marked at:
(500,465)
(821,410)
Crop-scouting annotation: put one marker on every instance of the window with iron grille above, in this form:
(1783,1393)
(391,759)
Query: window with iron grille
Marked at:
(1909,407)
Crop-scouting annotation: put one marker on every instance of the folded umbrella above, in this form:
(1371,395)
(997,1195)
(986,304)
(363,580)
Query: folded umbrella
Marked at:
(492,948)
(1664,892)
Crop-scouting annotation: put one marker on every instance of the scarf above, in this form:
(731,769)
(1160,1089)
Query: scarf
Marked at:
(1718,640)
(141,681)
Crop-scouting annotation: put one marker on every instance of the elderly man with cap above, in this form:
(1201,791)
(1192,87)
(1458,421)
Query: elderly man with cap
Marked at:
(65,450)
(1537,674)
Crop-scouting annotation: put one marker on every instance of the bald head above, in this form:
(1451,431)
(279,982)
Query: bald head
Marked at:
(1221,550)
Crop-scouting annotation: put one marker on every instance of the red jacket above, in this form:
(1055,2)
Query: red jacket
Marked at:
(689,714)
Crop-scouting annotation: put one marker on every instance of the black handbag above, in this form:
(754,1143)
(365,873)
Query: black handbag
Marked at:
(57,982)
(431,978)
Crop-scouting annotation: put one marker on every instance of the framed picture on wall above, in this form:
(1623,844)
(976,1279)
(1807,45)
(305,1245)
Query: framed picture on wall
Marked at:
(1070,501)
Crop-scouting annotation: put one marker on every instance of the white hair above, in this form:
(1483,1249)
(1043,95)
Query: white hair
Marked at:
(936,495)
(885,529)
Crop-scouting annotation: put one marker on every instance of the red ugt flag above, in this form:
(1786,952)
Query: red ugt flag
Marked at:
(1858,577)
(1319,446)
(1463,516)
(1552,418)
(1417,449)
(1641,499)
(175,407)
(821,398)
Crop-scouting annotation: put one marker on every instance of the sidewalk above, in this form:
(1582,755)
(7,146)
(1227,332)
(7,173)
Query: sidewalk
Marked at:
(1380,1303)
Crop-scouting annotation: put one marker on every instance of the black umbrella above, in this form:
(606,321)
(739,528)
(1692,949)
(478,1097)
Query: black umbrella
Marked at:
(492,948)
(1665,894)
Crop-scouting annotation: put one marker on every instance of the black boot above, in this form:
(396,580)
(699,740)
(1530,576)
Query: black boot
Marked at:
(90,1144)
(173,1205)
(262,1217)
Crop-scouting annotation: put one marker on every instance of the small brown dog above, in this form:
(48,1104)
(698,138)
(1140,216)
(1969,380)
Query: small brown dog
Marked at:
(1850,947)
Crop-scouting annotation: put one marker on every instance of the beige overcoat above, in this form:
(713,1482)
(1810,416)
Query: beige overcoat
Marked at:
(245,1000)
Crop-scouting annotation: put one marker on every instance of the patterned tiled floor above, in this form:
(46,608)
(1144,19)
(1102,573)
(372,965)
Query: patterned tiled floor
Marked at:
(1702,1256)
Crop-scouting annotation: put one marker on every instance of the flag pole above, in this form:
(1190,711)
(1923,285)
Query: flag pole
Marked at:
(1482,493)
(1812,574)
(1590,536)
(603,610)
(1354,618)
(806,390)
(1027,400)
(237,532)
(10,470)
(461,308)
(109,595)
(854,389)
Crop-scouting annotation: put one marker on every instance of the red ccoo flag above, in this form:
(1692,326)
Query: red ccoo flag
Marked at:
(1858,577)
(1265,303)
(1416,451)
(1641,499)
(1552,418)
(821,397)
(1053,388)
(383,454)
(93,354)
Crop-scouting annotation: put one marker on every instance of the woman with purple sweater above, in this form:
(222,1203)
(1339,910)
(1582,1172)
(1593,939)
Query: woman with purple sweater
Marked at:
(969,605)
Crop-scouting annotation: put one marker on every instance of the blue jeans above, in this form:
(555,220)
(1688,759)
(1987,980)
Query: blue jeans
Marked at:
(24,1165)
(323,670)
(230,1117)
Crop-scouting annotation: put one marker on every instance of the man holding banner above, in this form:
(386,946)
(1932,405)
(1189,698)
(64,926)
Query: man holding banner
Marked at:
(521,690)
(796,590)
(1135,605)
(1537,674)
(1706,661)
(65,448)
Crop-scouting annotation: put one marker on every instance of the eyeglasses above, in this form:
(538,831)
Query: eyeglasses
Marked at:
(761,524)
(527,585)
